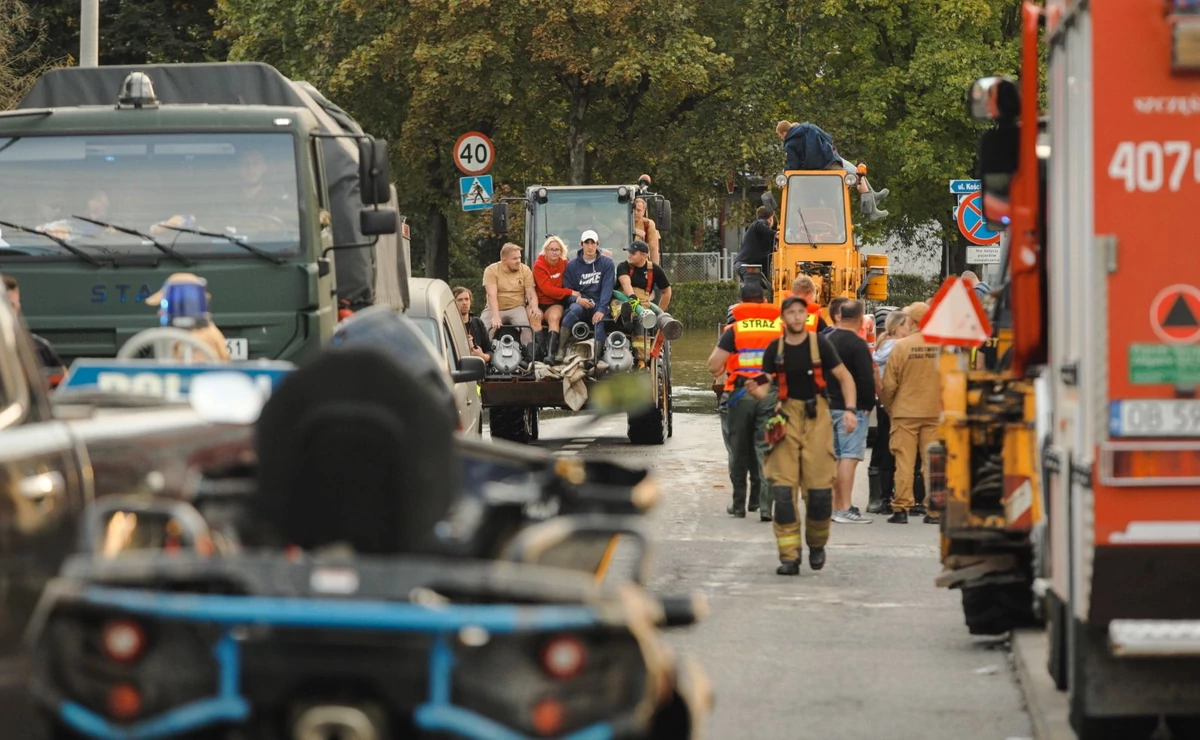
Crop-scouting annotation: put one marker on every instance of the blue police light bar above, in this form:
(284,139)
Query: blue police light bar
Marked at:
(169,381)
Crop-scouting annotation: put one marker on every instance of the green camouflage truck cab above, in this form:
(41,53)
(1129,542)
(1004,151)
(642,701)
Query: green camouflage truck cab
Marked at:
(105,182)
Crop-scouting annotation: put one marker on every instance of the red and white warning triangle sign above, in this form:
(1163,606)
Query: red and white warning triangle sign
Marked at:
(956,317)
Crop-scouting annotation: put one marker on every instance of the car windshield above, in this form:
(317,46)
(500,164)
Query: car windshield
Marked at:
(243,185)
(569,213)
(816,210)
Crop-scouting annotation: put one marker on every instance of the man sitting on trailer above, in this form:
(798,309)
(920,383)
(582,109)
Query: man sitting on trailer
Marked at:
(593,275)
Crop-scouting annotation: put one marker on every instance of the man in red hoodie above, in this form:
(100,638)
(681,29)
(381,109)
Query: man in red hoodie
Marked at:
(551,295)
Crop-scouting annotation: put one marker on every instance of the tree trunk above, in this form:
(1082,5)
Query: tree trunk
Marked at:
(577,134)
(437,245)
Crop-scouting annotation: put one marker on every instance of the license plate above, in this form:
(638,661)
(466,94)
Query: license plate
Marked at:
(239,349)
(1177,418)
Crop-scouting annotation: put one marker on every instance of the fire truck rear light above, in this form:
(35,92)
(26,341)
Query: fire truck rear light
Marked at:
(1185,41)
(1165,464)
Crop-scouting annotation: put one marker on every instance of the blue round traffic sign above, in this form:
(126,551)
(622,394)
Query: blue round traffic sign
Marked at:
(971,222)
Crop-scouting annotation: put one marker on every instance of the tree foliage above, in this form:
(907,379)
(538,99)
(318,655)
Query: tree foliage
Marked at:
(136,31)
(594,91)
(21,59)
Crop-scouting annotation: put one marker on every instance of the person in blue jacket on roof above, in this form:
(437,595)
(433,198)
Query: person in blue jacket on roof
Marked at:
(593,275)
(809,147)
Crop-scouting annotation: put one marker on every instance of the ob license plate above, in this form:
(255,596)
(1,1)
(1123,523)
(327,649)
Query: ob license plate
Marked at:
(1176,418)
(239,349)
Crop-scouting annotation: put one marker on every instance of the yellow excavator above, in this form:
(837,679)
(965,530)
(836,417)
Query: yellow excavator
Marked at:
(816,238)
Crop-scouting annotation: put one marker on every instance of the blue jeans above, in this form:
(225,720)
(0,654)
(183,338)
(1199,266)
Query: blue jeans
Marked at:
(850,445)
(577,314)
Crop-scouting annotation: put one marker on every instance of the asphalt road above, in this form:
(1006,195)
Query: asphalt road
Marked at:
(867,648)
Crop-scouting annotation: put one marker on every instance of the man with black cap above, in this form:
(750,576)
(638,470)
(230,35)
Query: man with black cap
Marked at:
(637,276)
(738,356)
(801,433)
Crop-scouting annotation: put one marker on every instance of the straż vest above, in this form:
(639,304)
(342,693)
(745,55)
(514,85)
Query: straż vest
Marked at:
(755,326)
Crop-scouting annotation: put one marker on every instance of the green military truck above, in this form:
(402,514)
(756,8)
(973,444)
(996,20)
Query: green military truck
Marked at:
(113,178)
(515,392)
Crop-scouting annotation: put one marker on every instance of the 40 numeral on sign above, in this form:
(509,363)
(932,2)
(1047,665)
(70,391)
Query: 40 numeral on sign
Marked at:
(1149,165)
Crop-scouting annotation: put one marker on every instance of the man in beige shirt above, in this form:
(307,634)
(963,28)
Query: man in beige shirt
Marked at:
(912,393)
(511,299)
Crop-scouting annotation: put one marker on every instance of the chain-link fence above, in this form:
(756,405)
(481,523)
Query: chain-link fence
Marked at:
(697,267)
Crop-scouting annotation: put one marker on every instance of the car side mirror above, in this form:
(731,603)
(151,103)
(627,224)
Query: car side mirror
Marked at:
(768,200)
(469,369)
(500,218)
(664,215)
(378,221)
(998,156)
(374,172)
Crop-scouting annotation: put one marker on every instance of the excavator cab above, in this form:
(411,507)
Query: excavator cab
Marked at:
(816,238)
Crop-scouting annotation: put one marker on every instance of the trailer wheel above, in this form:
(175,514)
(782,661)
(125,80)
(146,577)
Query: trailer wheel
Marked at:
(993,609)
(513,423)
(653,426)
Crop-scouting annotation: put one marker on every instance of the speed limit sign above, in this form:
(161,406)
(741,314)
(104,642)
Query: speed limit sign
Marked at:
(473,153)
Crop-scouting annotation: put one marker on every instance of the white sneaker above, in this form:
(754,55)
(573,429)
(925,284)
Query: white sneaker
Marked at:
(850,517)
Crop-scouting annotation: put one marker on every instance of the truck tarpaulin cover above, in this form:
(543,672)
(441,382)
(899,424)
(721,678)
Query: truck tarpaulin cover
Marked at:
(243,84)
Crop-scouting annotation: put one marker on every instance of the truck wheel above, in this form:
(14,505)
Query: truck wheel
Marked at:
(512,423)
(997,608)
(1089,726)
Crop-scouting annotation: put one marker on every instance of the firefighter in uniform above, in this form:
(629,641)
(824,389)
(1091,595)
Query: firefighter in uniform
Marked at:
(802,434)
(738,356)
(912,392)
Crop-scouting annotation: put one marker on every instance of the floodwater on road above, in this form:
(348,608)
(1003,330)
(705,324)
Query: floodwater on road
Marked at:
(690,379)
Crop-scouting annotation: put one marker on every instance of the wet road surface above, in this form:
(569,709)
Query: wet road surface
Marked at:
(866,649)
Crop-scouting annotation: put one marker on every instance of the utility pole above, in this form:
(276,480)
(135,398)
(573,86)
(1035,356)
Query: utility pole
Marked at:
(89,33)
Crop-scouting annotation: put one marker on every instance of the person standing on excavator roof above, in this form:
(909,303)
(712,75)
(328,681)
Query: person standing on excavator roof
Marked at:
(808,147)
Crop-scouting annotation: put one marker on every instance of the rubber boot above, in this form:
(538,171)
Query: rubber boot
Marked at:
(542,340)
(875,501)
(918,493)
(564,339)
(552,350)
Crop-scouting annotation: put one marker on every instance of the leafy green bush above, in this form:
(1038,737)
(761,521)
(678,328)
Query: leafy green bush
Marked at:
(702,305)
(906,289)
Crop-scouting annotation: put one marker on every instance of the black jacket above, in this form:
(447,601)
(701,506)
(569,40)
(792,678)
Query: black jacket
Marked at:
(757,245)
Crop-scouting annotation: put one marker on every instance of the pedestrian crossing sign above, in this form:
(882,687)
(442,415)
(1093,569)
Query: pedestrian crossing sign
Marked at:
(476,192)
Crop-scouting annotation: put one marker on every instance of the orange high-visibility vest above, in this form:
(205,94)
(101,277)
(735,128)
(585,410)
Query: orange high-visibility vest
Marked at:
(814,316)
(755,326)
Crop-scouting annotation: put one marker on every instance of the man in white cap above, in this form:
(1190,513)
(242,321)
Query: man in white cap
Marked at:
(593,275)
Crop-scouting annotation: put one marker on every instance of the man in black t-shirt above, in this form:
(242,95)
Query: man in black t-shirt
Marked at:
(638,276)
(850,447)
(803,451)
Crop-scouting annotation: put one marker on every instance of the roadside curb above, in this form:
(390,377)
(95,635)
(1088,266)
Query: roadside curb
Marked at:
(1047,706)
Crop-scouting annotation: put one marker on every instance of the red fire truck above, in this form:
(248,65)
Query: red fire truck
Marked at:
(1104,290)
